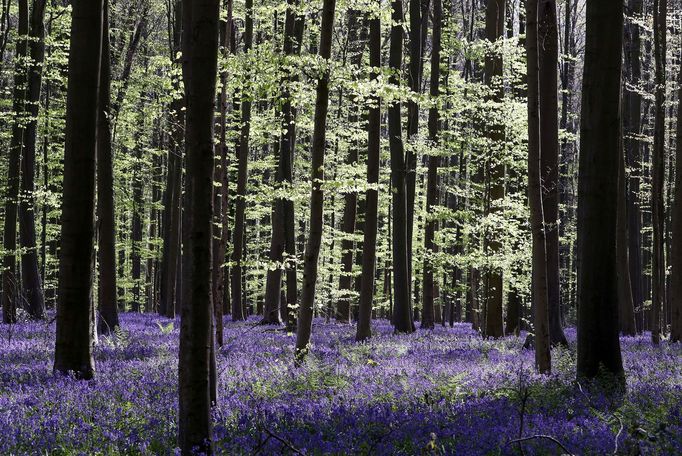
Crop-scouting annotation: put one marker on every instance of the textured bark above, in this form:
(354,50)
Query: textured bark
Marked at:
(549,158)
(539,293)
(169,288)
(369,244)
(598,343)
(74,341)
(237,271)
(402,308)
(108,309)
(199,69)
(312,248)
(282,214)
(658,173)
(494,29)
(430,247)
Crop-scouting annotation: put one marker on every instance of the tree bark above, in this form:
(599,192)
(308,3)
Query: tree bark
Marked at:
(539,293)
(430,247)
(626,310)
(237,270)
(369,244)
(74,341)
(676,243)
(108,309)
(598,343)
(312,248)
(199,69)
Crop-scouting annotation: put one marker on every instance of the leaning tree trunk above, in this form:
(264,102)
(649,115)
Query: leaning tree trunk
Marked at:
(539,255)
(9,278)
(199,69)
(549,159)
(312,248)
(369,244)
(430,246)
(74,341)
(237,271)
(598,343)
(108,309)
(658,173)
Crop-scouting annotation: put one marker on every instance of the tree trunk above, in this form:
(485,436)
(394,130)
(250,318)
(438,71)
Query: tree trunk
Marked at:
(369,244)
(108,309)
(676,243)
(199,69)
(626,311)
(74,341)
(494,285)
(430,247)
(539,293)
(549,159)
(658,172)
(237,271)
(598,343)
(312,248)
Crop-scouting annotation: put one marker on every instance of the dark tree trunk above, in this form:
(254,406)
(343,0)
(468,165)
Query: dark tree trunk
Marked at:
(274,306)
(626,311)
(350,208)
(108,309)
(430,247)
(658,172)
(237,271)
(136,225)
(402,308)
(539,293)
(30,274)
(199,69)
(549,158)
(74,341)
(10,285)
(369,244)
(494,26)
(676,243)
(598,344)
(312,248)
(632,104)
(169,288)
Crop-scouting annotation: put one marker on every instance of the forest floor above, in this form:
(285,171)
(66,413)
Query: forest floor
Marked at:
(445,391)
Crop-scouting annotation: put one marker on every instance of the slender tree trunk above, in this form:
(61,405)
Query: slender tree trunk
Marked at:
(402,308)
(658,172)
(136,225)
(74,341)
(539,293)
(274,306)
(10,285)
(626,310)
(169,289)
(430,247)
(312,249)
(369,244)
(549,159)
(108,309)
(676,243)
(199,69)
(598,344)
(237,271)
(494,323)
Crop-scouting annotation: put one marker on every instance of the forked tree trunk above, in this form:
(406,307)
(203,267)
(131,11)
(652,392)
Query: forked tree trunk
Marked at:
(199,69)
(314,241)
(74,341)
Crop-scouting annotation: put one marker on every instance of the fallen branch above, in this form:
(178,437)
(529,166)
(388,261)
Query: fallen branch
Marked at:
(541,437)
(284,442)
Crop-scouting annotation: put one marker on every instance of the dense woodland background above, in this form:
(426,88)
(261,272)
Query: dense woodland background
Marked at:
(416,162)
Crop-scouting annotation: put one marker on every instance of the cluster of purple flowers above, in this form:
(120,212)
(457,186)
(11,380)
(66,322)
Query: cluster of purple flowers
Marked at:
(446,391)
